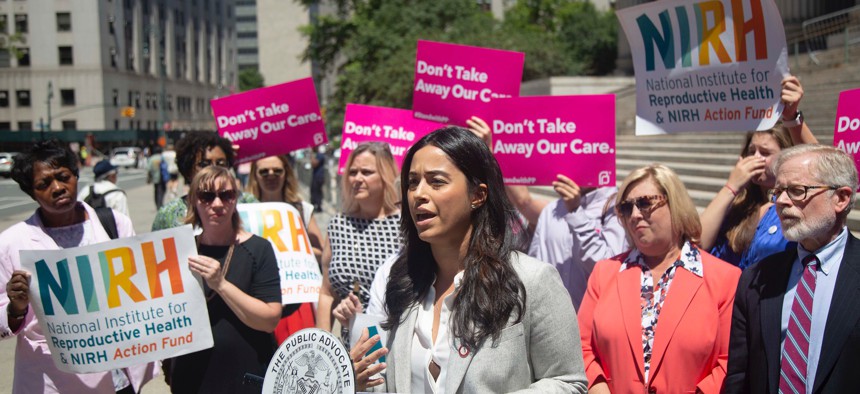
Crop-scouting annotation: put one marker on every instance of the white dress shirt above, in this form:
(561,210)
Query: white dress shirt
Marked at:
(424,349)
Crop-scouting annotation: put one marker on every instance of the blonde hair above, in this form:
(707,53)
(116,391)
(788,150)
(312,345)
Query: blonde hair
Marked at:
(685,219)
(205,180)
(387,170)
(290,191)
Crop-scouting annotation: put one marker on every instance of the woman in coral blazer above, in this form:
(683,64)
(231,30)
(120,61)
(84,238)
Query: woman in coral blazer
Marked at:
(657,319)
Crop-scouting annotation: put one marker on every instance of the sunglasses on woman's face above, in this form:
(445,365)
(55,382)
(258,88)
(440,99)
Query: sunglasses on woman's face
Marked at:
(266,172)
(646,205)
(226,196)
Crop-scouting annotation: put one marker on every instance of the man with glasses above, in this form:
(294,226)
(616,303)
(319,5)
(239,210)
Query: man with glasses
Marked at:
(797,313)
(194,152)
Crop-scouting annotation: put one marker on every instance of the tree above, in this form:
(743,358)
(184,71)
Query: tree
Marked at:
(371,44)
(250,78)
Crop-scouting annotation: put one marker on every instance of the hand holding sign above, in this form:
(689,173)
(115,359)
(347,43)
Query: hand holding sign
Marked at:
(18,291)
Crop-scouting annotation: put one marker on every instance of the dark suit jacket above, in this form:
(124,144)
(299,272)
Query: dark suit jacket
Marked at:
(754,344)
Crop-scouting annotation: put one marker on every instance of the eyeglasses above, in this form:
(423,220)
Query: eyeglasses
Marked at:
(796,193)
(226,196)
(646,205)
(265,172)
(206,163)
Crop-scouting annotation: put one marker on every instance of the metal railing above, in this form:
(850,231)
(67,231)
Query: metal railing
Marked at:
(829,39)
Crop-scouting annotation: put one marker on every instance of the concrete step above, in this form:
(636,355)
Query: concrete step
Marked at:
(713,171)
(727,147)
(668,156)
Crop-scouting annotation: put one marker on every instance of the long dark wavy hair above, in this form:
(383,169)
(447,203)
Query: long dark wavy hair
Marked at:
(490,290)
(743,216)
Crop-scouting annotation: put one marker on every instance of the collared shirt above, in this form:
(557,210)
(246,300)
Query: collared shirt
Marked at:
(424,349)
(830,258)
(653,295)
(574,241)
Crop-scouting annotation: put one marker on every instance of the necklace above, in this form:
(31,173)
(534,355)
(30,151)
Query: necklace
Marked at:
(224,268)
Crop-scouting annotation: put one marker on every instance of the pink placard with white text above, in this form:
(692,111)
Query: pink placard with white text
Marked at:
(536,138)
(846,134)
(454,82)
(271,121)
(367,123)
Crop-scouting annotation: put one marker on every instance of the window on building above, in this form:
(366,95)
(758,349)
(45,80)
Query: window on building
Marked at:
(130,95)
(25,126)
(5,126)
(247,51)
(70,125)
(24,57)
(113,57)
(5,59)
(116,98)
(4,99)
(23,98)
(169,102)
(20,23)
(66,58)
(137,99)
(112,25)
(116,124)
(67,97)
(146,100)
(4,21)
(247,34)
(64,21)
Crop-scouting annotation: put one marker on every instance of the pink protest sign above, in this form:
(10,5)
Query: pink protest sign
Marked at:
(846,134)
(536,138)
(367,123)
(271,121)
(455,82)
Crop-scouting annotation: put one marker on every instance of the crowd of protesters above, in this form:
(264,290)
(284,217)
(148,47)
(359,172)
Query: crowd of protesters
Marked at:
(483,288)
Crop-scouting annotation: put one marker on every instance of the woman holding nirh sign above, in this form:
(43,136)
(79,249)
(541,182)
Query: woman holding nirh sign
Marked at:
(242,289)
(741,225)
(466,312)
(48,173)
(362,237)
(273,180)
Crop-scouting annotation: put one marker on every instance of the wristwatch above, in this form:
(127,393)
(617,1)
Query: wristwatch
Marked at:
(797,121)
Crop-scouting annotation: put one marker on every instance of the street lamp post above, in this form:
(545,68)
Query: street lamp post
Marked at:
(48,101)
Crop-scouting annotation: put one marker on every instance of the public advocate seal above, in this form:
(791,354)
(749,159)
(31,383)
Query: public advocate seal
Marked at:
(311,361)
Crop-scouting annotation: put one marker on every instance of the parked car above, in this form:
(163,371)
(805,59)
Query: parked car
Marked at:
(124,156)
(6,161)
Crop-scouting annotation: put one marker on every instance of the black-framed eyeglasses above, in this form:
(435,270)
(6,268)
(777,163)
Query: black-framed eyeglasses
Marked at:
(226,196)
(206,163)
(646,204)
(796,193)
(265,172)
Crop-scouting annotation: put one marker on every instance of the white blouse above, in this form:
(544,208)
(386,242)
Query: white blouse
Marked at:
(424,349)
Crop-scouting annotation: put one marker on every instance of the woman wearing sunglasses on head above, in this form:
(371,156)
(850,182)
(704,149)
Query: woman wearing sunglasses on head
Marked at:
(665,277)
(362,237)
(272,180)
(194,152)
(242,289)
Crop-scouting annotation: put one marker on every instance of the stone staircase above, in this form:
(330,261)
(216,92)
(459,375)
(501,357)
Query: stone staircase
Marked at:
(704,160)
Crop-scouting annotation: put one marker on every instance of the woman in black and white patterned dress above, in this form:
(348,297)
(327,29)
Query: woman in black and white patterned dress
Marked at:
(363,236)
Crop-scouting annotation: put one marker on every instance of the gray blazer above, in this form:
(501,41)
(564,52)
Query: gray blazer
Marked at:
(541,354)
